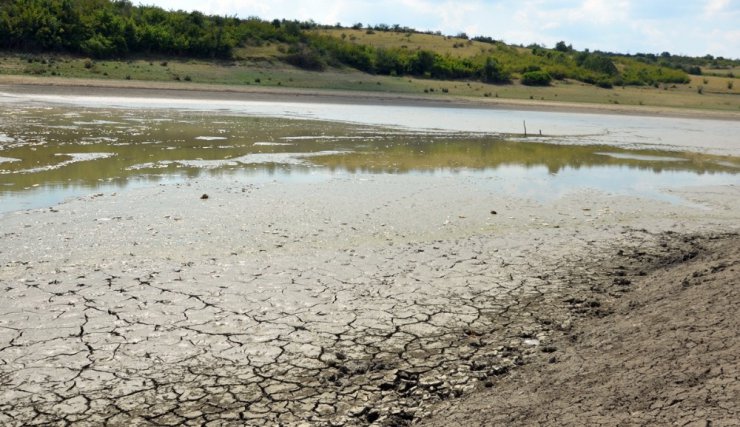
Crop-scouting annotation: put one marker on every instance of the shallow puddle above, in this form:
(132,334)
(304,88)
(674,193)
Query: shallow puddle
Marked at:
(49,153)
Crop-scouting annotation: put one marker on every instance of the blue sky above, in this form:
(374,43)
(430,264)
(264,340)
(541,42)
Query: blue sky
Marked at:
(695,27)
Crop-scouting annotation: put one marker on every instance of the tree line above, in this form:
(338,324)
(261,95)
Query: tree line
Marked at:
(118,29)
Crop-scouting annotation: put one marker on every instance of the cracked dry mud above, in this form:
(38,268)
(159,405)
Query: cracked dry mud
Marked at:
(293,304)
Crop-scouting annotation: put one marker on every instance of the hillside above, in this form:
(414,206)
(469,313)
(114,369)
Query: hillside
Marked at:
(117,40)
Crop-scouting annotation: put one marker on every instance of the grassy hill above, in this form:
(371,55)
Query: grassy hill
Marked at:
(116,40)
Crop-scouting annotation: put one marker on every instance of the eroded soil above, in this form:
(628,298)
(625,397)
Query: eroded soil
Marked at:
(304,304)
(663,353)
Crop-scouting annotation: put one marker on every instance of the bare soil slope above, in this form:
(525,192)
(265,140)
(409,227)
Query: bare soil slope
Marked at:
(665,353)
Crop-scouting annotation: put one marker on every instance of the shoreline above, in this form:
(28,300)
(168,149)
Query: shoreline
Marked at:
(659,347)
(123,88)
(354,300)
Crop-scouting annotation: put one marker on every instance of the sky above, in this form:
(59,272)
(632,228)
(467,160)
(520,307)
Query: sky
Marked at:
(689,27)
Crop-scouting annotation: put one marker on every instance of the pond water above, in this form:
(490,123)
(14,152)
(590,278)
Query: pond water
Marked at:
(52,152)
(626,131)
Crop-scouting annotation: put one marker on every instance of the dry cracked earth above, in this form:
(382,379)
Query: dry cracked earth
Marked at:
(296,326)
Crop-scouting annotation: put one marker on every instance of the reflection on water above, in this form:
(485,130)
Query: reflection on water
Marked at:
(48,154)
(626,131)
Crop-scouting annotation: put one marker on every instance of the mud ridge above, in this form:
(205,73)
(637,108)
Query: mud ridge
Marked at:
(656,345)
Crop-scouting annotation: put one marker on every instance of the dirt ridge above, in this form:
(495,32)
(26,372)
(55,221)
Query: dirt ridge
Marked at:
(656,346)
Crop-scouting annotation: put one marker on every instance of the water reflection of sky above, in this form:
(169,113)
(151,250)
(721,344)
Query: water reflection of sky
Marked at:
(535,183)
(539,184)
(56,162)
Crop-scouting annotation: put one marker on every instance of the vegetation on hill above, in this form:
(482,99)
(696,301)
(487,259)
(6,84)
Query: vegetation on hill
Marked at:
(118,29)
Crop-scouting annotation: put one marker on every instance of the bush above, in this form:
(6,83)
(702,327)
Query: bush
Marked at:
(557,72)
(600,64)
(306,59)
(493,73)
(536,78)
(694,70)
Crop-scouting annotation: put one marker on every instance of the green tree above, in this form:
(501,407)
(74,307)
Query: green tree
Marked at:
(493,73)
(600,64)
(422,63)
(389,62)
(562,47)
(536,78)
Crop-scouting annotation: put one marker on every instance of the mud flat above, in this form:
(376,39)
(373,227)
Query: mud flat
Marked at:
(352,300)
(331,292)
(58,86)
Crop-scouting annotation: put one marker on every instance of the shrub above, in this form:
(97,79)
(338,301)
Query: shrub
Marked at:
(562,47)
(306,58)
(493,73)
(694,70)
(557,72)
(536,78)
(600,64)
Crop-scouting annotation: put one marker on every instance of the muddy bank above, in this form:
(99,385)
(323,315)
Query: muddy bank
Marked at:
(303,303)
(653,347)
(172,90)
(632,132)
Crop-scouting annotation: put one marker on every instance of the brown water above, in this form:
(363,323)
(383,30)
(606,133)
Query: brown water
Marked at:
(50,153)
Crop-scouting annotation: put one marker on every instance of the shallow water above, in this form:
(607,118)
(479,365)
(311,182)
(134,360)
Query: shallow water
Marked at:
(50,153)
(626,131)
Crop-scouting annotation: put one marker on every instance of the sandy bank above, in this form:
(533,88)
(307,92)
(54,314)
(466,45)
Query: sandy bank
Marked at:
(179,90)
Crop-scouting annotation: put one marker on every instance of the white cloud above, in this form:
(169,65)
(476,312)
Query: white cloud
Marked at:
(616,25)
(714,7)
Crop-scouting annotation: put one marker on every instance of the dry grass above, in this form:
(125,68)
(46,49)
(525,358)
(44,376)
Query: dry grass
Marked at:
(735,71)
(452,46)
(271,73)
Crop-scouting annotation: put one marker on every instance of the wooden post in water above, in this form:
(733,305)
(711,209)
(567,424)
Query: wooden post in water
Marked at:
(525,128)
